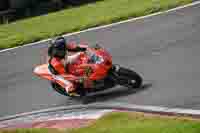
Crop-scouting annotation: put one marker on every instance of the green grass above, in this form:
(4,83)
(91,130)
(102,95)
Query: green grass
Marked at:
(31,131)
(79,18)
(130,123)
(137,123)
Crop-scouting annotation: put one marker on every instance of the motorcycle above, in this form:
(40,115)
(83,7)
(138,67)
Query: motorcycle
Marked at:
(96,64)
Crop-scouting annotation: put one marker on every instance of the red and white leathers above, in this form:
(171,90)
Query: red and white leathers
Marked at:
(60,66)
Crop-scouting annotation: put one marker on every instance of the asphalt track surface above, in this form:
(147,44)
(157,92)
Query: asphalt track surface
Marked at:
(164,49)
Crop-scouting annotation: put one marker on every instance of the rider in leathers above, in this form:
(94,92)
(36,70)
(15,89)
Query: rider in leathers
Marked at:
(58,60)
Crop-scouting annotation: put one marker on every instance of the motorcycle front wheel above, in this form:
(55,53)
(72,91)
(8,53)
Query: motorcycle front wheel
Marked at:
(129,78)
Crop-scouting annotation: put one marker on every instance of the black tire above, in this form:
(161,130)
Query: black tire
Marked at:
(59,89)
(126,76)
(62,91)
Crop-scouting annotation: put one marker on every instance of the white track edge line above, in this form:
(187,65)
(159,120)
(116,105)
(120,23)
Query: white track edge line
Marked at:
(113,106)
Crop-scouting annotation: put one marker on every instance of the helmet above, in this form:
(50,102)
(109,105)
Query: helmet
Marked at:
(58,46)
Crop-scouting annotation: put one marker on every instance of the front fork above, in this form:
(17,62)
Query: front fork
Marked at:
(116,75)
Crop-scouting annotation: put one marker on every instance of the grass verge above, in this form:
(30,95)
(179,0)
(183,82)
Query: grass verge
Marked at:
(139,123)
(130,123)
(79,18)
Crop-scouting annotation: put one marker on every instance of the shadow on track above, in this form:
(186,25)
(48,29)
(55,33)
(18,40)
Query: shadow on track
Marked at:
(101,97)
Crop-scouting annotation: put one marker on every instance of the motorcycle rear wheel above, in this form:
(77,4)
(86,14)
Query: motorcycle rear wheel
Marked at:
(62,91)
(59,89)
